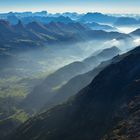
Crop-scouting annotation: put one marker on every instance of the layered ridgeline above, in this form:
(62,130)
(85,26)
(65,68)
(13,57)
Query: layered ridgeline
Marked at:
(32,45)
(54,32)
(26,51)
(58,87)
(48,93)
(37,37)
(127,21)
(136,32)
(97,26)
(45,17)
(106,109)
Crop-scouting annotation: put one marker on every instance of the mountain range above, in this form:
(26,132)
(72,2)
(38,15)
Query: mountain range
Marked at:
(127,21)
(50,33)
(56,87)
(69,76)
(35,35)
(67,17)
(94,112)
(97,26)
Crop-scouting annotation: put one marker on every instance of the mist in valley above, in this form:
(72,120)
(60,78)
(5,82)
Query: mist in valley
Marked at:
(60,60)
(39,63)
(70,70)
(127,29)
(52,58)
(55,67)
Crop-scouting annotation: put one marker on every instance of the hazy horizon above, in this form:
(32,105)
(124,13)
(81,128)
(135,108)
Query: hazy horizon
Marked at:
(5,12)
(79,6)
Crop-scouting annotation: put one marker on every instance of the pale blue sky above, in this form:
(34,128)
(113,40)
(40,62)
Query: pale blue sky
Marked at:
(106,6)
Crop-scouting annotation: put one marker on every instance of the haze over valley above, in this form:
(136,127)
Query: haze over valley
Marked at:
(69,75)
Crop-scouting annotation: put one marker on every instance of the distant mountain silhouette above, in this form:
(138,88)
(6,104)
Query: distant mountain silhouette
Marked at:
(136,32)
(46,20)
(96,98)
(126,21)
(73,15)
(35,34)
(97,17)
(97,26)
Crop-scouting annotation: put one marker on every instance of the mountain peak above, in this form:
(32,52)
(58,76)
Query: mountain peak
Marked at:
(136,32)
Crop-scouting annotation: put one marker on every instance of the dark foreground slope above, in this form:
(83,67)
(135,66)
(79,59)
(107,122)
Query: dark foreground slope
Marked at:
(96,110)
(74,85)
(128,126)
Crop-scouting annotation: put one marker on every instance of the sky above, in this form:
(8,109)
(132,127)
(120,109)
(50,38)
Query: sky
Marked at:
(80,6)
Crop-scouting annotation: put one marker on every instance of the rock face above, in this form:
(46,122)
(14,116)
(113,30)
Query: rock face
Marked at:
(111,98)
